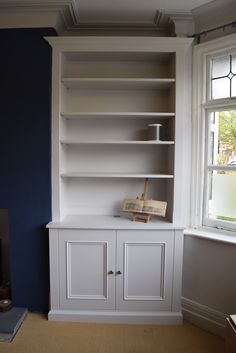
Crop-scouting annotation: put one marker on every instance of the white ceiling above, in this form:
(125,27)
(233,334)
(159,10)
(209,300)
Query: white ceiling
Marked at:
(188,16)
(131,11)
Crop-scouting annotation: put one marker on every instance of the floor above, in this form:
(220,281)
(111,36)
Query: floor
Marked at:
(38,335)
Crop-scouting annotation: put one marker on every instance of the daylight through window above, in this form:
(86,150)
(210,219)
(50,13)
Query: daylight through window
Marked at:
(221,166)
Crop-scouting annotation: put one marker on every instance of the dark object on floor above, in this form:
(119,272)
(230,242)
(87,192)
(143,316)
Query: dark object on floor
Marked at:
(5,305)
(10,323)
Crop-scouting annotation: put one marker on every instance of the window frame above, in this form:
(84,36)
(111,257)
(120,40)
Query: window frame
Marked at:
(203,106)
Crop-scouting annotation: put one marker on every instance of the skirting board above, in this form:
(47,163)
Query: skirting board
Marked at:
(204,317)
(158,318)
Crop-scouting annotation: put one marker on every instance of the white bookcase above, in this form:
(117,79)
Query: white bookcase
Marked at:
(106,91)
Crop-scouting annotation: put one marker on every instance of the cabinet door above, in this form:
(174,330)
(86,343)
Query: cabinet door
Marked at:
(86,258)
(144,270)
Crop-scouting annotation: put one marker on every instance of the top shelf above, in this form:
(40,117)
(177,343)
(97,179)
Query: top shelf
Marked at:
(118,83)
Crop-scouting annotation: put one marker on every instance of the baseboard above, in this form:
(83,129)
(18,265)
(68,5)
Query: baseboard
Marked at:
(158,318)
(204,317)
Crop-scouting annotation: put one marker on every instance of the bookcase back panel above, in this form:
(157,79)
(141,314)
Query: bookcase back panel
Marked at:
(119,65)
(114,129)
(83,196)
(116,100)
(116,159)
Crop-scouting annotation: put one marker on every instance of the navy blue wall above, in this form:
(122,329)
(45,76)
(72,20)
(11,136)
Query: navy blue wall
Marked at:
(25,139)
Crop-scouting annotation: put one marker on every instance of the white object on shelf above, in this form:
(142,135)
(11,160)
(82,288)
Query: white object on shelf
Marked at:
(154,132)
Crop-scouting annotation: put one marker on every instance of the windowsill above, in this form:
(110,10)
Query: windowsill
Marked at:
(212,234)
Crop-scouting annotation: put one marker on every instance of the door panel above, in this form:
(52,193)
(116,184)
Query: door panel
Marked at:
(145,260)
(86,257)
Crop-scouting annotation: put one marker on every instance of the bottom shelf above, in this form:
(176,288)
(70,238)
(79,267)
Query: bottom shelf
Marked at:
(110,222)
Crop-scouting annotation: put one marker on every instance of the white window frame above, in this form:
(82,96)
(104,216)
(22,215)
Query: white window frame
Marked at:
(202,106)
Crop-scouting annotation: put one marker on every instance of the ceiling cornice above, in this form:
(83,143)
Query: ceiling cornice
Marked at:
(59,14)
(63,15)
(182,21)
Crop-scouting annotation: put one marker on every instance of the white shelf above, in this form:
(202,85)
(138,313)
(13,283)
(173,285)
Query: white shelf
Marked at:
(122,221)
(116,175)
(118,83)
(117,115)
(113,142)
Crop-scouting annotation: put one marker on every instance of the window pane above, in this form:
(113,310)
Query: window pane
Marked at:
(220,88)
(221,66)
(222,138)
(234,64)
(222,196)
(233,87)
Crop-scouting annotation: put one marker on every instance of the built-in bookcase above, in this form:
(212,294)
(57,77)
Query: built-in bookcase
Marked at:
(104,98)
(106,92)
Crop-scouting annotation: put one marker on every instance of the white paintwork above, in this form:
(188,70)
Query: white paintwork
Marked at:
(97,162)
(214,14)
(200,103)
(118,317)
(82,287)
(81,160)
(118,83)
(205,317)
(114,115)
(145,260)
(115,175)
(103,11)
(85,259)
(73,16)
(69,15)
(209,287)
(110,142)
(110,222)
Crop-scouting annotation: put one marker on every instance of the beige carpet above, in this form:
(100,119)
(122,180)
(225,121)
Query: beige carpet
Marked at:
(37,335)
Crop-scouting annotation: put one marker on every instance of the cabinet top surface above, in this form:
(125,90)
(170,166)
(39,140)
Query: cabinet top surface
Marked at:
(110,222)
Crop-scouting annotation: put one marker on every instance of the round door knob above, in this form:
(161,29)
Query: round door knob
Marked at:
(110,272)
(119,273)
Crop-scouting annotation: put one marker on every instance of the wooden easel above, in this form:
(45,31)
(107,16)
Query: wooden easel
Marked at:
(142,217)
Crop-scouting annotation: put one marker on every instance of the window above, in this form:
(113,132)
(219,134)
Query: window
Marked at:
(223,77)
(220,174)
(214,123)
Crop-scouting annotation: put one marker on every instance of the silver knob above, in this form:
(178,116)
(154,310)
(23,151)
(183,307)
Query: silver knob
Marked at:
(118,272)
(110,272)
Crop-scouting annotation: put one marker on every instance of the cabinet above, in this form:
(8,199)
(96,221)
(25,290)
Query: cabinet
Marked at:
(128,273)
(105,93)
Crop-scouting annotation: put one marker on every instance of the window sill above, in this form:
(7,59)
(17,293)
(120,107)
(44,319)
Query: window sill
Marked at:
(212,234)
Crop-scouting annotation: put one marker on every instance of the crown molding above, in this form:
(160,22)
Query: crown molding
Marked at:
(63,15)
(182,21)
(59,14)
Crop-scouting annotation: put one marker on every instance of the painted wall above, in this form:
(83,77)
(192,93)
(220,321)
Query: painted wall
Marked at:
(210,273)
(25,145)
(209,281)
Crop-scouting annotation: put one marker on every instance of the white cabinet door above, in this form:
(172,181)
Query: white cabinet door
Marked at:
(144,270)
(87,269)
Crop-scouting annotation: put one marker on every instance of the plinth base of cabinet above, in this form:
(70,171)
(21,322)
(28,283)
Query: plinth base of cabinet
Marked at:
(157,318)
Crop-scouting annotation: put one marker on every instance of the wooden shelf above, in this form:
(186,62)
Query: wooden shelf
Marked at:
(116,175)
(113,142)
(118,83)
(117,115)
